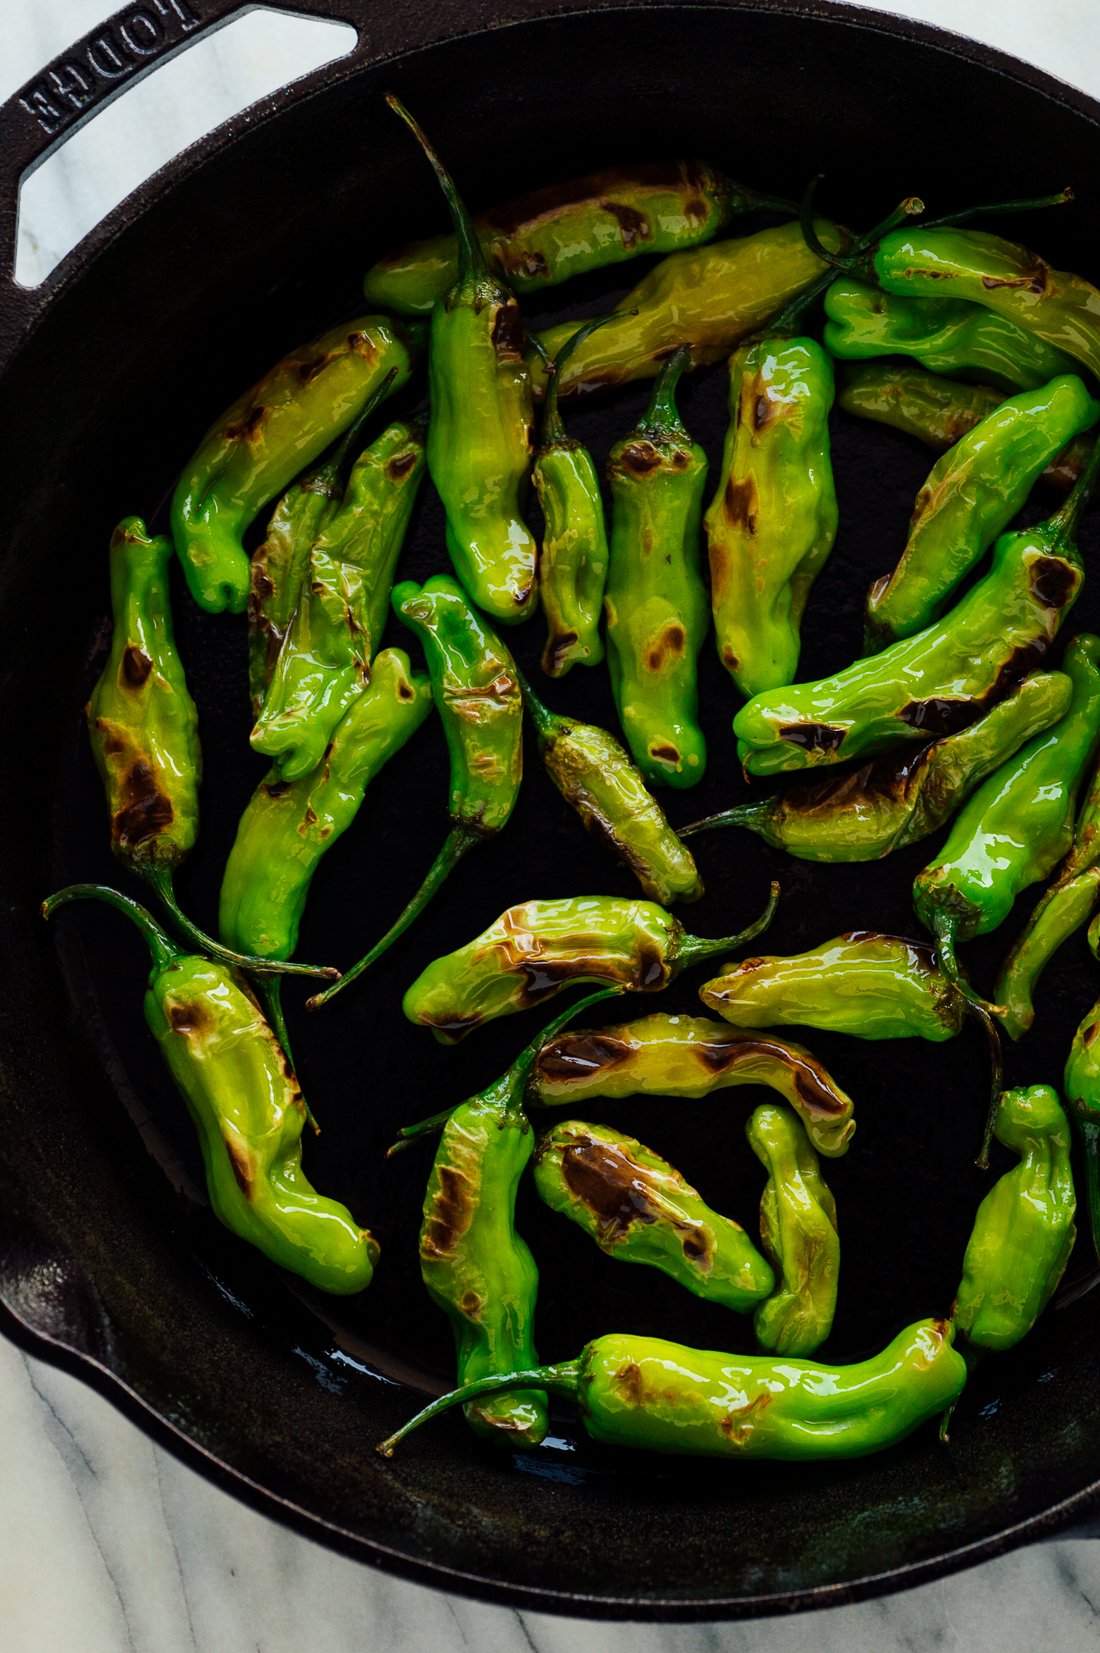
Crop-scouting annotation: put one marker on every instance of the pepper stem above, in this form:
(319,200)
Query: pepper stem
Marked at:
(163,949)
(471,254)
(459,842)
(269,991)
(746,815)
(949,964)
(784,323)
(547,723)
(1063,524)
(996,1077)
(562,1379)
(661,418)
(158,875)
(696,949)
(553,430)
(1034,204)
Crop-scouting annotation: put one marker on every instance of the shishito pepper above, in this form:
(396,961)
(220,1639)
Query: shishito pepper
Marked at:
(244,1099)
(1017,826)
(481,432)
(970,497)
(594,775)
(895,800)
(267,437)
(476,1267)
(656,603)
(942,677)
(534,950)
(569,229)
(662,1397)
(799,1234)
(476,691)
(144,732)
(638,1208)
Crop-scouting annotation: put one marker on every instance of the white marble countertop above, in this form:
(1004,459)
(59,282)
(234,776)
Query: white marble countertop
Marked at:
(108,1542)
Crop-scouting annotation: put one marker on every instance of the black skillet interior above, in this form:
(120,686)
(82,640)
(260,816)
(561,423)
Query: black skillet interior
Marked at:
(108,1247)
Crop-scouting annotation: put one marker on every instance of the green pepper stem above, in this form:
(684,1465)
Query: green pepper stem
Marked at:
(783,324)
(459,842)
(746,815)
(163,949)
(471,254)
(661,419)
(553,429)
(547,723)
(752,201)
(996,1066)
(269,991)
(696,949)
(1063,524)
(561,1379)
(949,964)
(1034,204)
(158,875)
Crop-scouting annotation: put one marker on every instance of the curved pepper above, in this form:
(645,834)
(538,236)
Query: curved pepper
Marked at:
(656,603)
(264,440)
(244,1099)
(798,1231)
(569,229)
(534,950)
(663,1397)
(639,1209)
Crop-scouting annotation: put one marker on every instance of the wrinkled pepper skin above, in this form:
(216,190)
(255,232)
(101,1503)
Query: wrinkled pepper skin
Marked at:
(895,800)
(646,1393)
(946,335)
(639,1209)
(596,777)
(656,602)
(799,1234)
(970,497)
(689,1056)
(771,524)
(568,229)
(534,950)
(1024,1230)
(868,985)
(1018,825)
(1081,1086)
(267,437)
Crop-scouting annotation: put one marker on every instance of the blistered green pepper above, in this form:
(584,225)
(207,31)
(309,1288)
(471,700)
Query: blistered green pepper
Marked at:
(569,229)
(534,950)
(970,497)
(1024,1230)
(663,1397)
(799,1235)
(481,433)
(267,437)
(639,1209)
(1017,826)
(244,1099)
(1081,1085)
(895,800)
(594,775)
(656,603)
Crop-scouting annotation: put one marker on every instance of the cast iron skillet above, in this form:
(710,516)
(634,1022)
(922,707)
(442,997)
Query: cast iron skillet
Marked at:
(109,1258)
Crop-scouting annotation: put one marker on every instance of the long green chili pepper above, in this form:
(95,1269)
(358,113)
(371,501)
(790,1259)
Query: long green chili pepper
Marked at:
(1024,1230)
(663,1397)
(1017,826)
(244,1099)
(942,677)
(656,602)
(267,437)
(476,691)
(594,775)
(639,1209)
(1081,1085)
(534,950)
(970,497)
(144,735)
(476,1267)
(569,229)
(481,433)
(799,1234)
(895,800)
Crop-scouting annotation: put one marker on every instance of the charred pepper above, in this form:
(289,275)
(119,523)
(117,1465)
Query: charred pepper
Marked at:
(799,1235)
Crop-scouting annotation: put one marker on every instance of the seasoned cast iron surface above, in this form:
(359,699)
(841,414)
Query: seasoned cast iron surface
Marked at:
(246,258)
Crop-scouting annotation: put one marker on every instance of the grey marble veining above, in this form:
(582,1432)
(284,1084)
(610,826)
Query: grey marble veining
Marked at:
(109,1543)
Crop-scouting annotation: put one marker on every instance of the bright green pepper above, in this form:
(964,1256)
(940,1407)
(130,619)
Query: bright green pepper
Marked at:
(594,775)
(1024,1230)
(970,497)
(662,1397)
(1081,1085)
(895,800)
(799,1235)
(1058,914)
(639,1209)
(244,1099)
(481,433)
(656,603)
(569,229)
(267,437)
(534,950)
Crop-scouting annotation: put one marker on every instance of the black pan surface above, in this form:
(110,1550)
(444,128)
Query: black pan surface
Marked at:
(108,1249)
